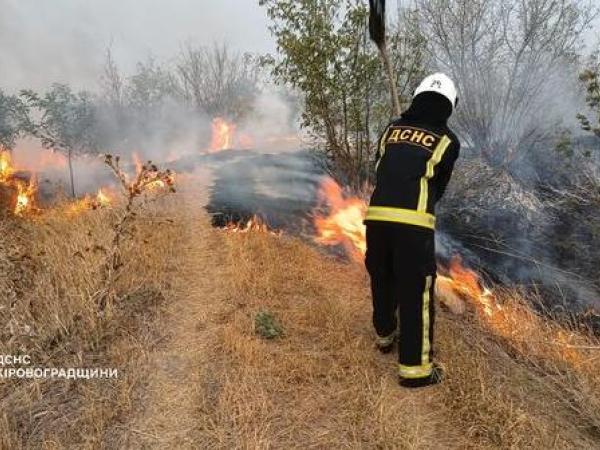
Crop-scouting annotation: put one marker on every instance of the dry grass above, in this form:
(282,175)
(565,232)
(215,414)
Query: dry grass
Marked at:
(51,270)
(195,374)
(322,385)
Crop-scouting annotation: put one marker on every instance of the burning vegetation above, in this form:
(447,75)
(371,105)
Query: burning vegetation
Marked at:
(344,223)
(95,280)
(222,135)
(504,311)
(18,187)
(253,225)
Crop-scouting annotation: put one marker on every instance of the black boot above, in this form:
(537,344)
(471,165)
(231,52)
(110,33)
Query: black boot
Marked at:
(436,376)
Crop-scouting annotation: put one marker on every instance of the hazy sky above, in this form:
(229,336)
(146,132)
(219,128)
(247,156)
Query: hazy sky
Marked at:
(43,41)
(65,40)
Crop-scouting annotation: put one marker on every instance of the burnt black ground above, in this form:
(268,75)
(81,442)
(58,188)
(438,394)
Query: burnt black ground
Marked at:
(280,189)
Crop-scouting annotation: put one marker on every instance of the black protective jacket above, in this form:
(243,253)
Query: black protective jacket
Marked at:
(415,159)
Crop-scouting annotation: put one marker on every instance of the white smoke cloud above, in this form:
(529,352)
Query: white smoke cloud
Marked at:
(42,42)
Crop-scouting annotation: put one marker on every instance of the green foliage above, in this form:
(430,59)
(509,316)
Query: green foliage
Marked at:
(149,87)
(67,119)
(267,326)
(67,123)
(325,54)
(13,114)
(590,77)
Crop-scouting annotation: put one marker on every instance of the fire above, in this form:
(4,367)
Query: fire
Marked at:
(222,135)
(25,190)
(25,196)
(504,312)
(344,224)
(508,316)
(137,162)
(467,284)
(6,169)
(102,199)
(253,225)
(153,185)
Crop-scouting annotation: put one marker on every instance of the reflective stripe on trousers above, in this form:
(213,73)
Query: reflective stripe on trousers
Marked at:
(424,369)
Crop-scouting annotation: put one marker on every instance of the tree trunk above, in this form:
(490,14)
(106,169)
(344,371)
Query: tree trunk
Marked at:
(391,78)
(70,155)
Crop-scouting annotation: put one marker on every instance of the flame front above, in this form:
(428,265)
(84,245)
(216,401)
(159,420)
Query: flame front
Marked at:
(6,169)
(344,223)
(25,195)
(505,313)
(254,224)
(222,135)
(102,198)
(509,316)
(25,191)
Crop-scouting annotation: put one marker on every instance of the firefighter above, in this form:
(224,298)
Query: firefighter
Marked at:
(415,158)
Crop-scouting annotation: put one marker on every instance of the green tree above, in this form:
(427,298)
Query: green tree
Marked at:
(13,114)
(590,77)
(325,54)
(66,124)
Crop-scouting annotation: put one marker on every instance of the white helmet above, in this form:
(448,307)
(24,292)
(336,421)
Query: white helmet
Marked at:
(440,83)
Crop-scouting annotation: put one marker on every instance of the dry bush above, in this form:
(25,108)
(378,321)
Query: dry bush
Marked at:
(323,385)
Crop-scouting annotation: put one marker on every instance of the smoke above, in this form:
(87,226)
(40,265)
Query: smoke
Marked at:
(64,40)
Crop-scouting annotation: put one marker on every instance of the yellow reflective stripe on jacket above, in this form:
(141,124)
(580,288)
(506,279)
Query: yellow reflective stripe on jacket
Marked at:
(400,215)
(382,147)
(435,159)
(415,371)
(426,344)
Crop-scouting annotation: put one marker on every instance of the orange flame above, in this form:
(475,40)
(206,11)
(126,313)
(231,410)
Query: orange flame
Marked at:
(25,195)
(102,199)
(253,225)
(222,135)
(25,190)
(505,314)
(6,169)
(137,162)
(344,223)
(509,316)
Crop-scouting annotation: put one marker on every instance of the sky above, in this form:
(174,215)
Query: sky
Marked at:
(44,41)
(66,40)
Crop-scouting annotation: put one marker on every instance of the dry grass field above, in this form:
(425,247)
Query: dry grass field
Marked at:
(194,372)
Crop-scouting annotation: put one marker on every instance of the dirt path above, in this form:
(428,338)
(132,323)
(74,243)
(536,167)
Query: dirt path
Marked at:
(195,397)
(174,388)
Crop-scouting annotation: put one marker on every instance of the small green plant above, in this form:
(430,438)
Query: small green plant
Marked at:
(267,326)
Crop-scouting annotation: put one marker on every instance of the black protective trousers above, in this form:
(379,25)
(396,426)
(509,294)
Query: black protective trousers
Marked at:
(401,262)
